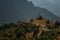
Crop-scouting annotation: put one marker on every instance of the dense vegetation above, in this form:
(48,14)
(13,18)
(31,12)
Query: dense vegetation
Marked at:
(20,30)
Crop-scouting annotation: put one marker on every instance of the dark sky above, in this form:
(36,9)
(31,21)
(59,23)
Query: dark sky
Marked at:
(51,5)
(15,10)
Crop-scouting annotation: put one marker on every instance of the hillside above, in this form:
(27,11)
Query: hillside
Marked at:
(30,31)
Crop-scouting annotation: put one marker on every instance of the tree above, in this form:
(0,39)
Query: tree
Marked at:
(40,18)
(19,34)
(57,24)
(31,20)
(48,22)
(2,27)
(19,22)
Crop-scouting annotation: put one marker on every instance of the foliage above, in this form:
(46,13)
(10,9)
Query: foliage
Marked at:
(57,24)
(17,32)
(40,17)
(47,22)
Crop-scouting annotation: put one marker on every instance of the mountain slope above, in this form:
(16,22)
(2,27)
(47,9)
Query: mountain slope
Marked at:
(14,10)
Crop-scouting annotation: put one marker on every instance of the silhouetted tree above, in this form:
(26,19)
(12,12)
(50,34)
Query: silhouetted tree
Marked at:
(57,24)
(47,22)
(4,26)
(19,22)
(18,34)
(40,17)
(31,20)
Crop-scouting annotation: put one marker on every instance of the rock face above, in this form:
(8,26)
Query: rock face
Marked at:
(13,10)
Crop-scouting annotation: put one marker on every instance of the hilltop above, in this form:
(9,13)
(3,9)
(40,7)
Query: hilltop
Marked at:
(35,29)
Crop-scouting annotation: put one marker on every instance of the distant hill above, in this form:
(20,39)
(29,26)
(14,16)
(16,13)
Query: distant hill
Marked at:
(14,10)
